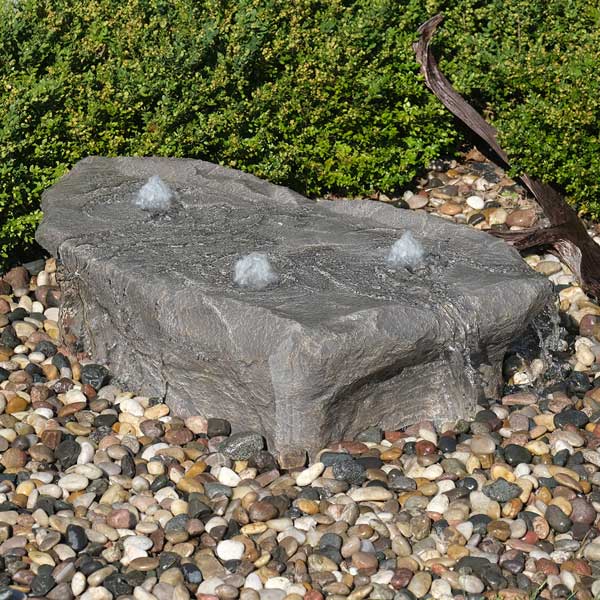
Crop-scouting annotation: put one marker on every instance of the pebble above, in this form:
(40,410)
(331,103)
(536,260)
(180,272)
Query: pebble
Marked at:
(230,550)
(307,476)
(242,446)
(502,490)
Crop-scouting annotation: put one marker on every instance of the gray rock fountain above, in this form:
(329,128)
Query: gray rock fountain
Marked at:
(340,340)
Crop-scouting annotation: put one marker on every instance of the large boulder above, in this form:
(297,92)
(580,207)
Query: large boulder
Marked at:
(341,343)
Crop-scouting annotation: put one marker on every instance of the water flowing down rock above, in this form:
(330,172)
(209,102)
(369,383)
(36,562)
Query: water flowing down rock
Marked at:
(342,342)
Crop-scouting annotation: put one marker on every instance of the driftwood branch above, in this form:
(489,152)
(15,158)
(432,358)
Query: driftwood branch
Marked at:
(567,235)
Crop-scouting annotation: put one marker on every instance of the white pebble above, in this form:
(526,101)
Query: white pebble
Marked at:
(97,593)
(208,586)
(253,582)
(89,470)
(471,584)
(138,541)
(150,451)
(51,490)
(37,357)
(371,494)
(139,593)
(78,583)
(230,550)
(440,588)
(51,314)
(73,396)
(307,476)
(215,522)
(131,553)
(476,202)
(278,583)
(228,477)
(438,504)
(87,453)
(131,406)
(73,482)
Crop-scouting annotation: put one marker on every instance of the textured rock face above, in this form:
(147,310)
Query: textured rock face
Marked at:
(342,342)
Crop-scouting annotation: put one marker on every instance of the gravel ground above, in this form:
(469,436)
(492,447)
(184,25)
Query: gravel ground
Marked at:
(105,494)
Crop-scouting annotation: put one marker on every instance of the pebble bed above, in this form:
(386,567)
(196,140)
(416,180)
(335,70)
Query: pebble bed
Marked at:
(105,494)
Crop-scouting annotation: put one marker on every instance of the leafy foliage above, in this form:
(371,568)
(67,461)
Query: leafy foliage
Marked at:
(531,66)
(323,96)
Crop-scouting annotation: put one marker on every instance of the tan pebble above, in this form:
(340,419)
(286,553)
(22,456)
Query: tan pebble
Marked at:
(545,420)
(310,507)
(538,448)
(254,528)
(472,464)
(498,471)
(556,470)
(537,431)
(512,508)
(527,488)
(307,476)
(26,487)
(189,486)
(156,412)
(541,527)
(456,552)
(41,558)
(544,494)
(361,592)
(51,328)
(196,469)
(78,428)
(567,481)
(450,208)
(15,405)
(495,216)
(563,504)
(493,510)
(391,454)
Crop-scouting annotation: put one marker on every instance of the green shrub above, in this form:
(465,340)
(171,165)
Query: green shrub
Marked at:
(323,96)
(319,95)
(532,67)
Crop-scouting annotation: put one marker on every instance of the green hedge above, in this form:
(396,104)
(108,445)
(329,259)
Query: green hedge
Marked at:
(323,96)
(533,67)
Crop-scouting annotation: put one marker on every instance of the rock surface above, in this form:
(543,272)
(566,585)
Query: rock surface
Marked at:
(341,343)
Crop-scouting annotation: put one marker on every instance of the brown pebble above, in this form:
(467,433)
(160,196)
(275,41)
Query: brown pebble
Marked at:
(14,458)
(121,519)
(546,566)
(152,428)
(18,279)
(365,562)
(178,436)
(450,208)
(262,511)
(401,578)
(292,458)
(145,563)
(41,453)
(71,409)
(16,404)
(51,438)
(524,217)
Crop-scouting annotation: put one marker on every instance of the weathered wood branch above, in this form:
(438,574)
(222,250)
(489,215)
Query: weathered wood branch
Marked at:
(567,235)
